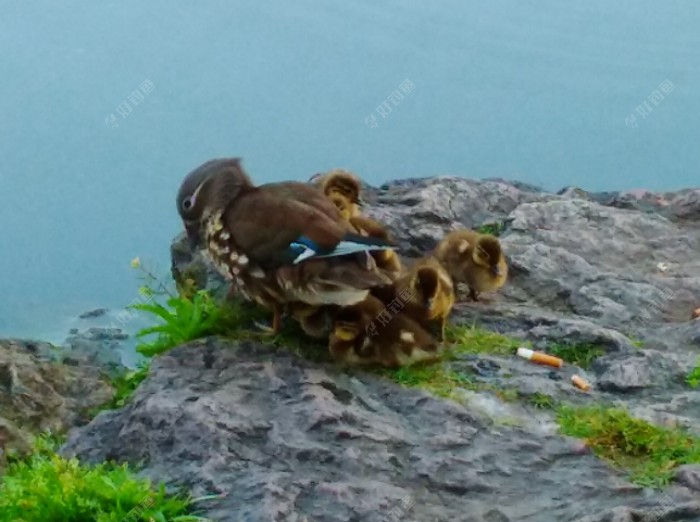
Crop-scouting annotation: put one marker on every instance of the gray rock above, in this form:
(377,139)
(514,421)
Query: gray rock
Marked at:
(97,312)
(98,347)
(278,438)
(616,270)
(38,394)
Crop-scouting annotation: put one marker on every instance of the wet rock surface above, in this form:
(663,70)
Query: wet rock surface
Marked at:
(616,271)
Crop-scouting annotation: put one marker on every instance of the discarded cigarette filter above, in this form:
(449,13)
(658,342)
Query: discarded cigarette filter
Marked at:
(540,358)
(696,313)
(580,383)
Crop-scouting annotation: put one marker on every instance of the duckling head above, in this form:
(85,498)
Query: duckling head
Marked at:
(488,254)
(344,183)
(342,204)
(207,189)
(426,284)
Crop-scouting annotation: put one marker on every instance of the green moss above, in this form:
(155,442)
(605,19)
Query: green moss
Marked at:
(474,340)
(441,379)
(541,401)
(636,342)
(582,355)
(45,487)
(495,229)
(693,378)
(436,378)
(648,452)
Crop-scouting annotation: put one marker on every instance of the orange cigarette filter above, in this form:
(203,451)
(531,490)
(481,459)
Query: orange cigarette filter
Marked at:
(540,358)
(580,383)
(696,313)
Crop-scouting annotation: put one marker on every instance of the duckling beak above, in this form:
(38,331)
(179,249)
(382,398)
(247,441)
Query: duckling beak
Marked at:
(193,234)
(496,271)
(429,303)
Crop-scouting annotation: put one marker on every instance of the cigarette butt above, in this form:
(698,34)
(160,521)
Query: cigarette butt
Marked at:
(580,383)
(540,358)
(696,313)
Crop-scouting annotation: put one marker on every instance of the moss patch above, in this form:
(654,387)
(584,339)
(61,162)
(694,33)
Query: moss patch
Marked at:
(474,340)
(441,379)
(495,229)
(648,452)
(693,378)
(582,355)
(45,487)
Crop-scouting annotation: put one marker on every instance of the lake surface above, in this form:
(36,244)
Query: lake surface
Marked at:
(105,106)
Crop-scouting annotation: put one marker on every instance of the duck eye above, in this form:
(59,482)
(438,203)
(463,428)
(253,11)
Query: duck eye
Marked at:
(187,204)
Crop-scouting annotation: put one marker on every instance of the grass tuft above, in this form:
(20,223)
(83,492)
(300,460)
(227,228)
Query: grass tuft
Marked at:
(693,378)
(495,229)
(47,487)
(582,355)
(441,379)
(648,452)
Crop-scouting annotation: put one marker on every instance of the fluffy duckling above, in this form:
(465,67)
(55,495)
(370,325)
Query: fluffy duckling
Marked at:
(475,259)
(343,188)
(428,292)
(370,333)
(387,260)
(316,321)
(280,242)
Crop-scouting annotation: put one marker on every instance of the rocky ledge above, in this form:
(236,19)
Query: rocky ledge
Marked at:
(285,439)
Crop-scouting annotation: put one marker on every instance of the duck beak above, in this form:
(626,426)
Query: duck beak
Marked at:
(429,303)
(193,234)
(496,271)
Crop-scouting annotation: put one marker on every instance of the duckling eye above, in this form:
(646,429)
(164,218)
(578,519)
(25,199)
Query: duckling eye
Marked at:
(187,204)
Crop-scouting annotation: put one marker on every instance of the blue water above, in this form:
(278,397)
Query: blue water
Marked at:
(535,91)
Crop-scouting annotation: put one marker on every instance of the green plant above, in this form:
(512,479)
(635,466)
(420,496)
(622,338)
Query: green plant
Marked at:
(441,379)
(495,229)
(475,340)
(582,355)
(124,387)
(647,451)
(46,487)
(183,320)
(693,378)
(541,401)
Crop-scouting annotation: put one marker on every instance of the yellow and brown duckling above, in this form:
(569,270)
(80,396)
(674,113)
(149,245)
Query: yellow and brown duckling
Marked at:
(429,293)
(316,321)
(279,242)
(474,259)
(343,188)
(370,333)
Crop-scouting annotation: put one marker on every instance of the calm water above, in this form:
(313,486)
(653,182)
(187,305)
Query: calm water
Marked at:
(537,91)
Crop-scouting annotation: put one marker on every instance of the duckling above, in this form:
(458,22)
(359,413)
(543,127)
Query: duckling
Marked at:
(428,293)
(369,333)
(387,260)
(475,259)
(343,187)
(280,242)
(316,321)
